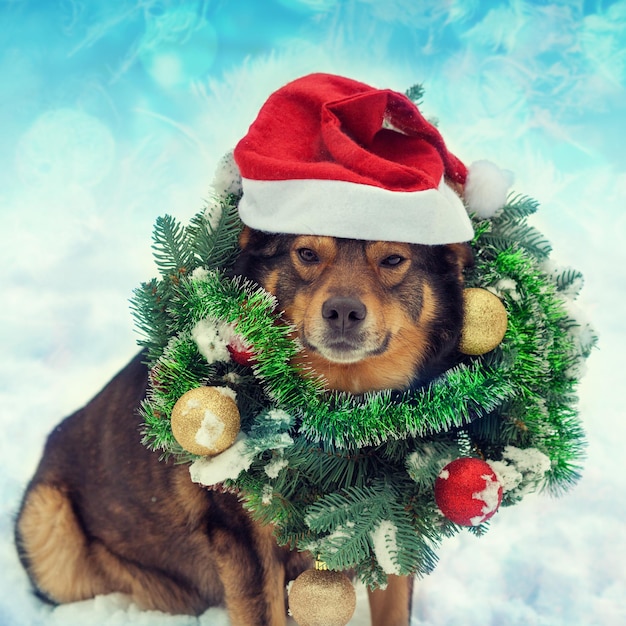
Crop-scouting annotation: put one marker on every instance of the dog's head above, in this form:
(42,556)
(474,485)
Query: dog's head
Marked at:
(370,315)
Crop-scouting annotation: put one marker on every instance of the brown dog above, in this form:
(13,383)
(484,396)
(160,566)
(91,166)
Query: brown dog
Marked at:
(103,514)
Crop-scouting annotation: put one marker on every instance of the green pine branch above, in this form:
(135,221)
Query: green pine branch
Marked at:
(415,94)
(171,251)
(149,307)
(570,279)
(508,235)
(213,234)
(519,207)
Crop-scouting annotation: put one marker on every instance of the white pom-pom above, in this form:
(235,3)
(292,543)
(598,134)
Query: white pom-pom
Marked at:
(486,188)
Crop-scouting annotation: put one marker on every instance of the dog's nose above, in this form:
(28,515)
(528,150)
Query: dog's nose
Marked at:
(343,313)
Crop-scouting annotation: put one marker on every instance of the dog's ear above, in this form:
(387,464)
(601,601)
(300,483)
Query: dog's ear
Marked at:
(244,237)
(461,255)
(257,243)
(257,249)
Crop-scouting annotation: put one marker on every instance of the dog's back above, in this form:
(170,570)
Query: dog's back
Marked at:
(103,514)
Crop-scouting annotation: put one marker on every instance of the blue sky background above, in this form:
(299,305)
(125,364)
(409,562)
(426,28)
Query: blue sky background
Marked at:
(113,113)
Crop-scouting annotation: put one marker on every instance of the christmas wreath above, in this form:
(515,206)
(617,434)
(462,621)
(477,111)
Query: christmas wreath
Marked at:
(370,483)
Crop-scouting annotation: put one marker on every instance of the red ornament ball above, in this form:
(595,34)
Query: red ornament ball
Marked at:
(467,491)
(241,354)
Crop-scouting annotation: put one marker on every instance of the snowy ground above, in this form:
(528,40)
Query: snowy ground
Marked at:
(115,113)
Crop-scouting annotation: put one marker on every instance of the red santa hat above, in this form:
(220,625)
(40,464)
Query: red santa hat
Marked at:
(328,155)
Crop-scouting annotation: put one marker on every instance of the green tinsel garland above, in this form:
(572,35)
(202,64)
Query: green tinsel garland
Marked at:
(328,469)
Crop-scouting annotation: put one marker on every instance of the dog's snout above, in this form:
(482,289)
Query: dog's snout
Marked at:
(343,313)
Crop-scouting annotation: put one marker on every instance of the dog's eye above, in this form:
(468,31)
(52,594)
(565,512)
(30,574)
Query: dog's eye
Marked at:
(308,256)
(392,260)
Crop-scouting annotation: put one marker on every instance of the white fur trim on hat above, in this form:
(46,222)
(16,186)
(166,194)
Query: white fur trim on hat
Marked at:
(486,188)
(354,211)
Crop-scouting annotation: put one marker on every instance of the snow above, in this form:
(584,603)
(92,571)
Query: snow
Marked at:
(228,464)
(506,286)
(227,179)
(527,460)
(386,546)
(200,274)
(490,496)
(508,475)
(117,610)
(211,429)
(273,468)
(521,470)
(227,392)
(278,415)
(211,345)
(96,144)
(555,270)
(267,494)
(233,339)
(213,213)
(214,337)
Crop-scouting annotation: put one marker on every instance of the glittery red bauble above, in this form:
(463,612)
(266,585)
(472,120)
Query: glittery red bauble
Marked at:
(467,491)
(241,356)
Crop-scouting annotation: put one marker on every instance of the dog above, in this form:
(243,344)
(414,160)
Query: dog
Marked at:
(102,514)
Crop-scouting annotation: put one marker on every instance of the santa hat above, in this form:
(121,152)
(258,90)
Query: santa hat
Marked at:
(328,155)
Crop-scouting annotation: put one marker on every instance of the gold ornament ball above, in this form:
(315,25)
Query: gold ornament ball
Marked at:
(484,322)
(206,420)
(322,598)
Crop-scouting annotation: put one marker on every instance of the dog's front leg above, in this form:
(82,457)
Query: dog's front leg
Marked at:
(392,606)
(253,578)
